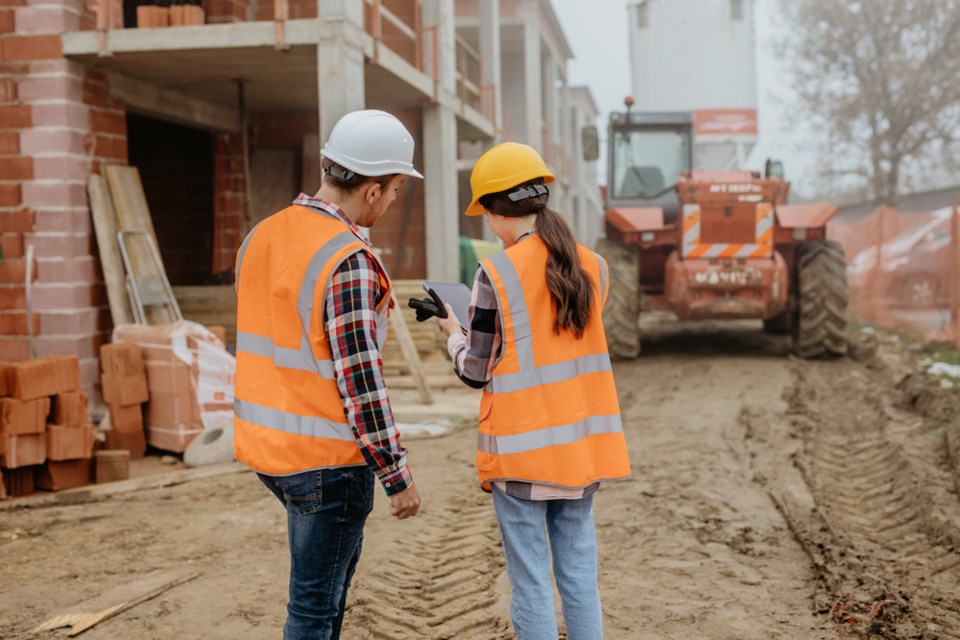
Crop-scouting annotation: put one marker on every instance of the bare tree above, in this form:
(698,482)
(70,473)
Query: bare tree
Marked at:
(881,78)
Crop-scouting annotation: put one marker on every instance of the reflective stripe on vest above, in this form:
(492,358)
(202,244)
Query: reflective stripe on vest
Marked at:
(291,422)
(549,436)
(529,374)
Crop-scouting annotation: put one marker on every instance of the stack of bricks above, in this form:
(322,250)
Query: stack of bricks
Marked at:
(124,384)
(219,11)
(56,455)
(58,122)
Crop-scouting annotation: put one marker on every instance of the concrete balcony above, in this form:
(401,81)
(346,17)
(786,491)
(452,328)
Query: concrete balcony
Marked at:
(194,69)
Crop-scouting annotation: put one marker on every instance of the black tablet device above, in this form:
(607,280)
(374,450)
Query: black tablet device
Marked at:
(455,294)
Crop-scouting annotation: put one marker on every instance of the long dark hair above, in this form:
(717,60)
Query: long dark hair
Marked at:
(570,287)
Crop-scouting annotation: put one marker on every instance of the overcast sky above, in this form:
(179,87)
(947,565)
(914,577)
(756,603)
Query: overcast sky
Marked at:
(602,57)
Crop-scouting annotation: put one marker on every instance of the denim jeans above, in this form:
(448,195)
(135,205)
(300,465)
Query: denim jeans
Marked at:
(524,529)
(326,511)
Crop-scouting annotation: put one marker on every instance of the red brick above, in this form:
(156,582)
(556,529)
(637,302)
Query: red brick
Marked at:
(57,475)
(10,196)
(13,271)
(108,122)
(12,297)
(135,442)
(12,3)
(70,409)
(65,271)
(9,143)
(24,416)
(46,19)
(66,194)
(95,94)
(47,297)
(51,88)
(76,220)
(110,147)
(45,377)
(14,349)
(16,168)
(126,419)
(8,90)
(16,221)
(15,116)
(14,323)
(124,378)
(11,244)
(72,114)
(6,20)
(73,322)
(70,443)
(32,48)
(24,450)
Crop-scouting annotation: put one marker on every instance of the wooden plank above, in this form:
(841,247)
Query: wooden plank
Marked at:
(133,213)
(105,227)
(399,327)
(87,614)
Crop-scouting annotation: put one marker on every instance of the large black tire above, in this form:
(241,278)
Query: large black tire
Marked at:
(822,293)
(621,315)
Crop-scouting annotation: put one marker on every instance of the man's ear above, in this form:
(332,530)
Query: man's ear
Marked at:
(372,191)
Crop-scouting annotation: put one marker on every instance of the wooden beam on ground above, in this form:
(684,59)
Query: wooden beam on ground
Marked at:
(151,99)
(120,598)
(398,325)
(105,227)
(93,492)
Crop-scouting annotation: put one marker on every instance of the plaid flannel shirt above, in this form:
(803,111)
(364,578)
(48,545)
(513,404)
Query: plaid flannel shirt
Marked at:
(349,319)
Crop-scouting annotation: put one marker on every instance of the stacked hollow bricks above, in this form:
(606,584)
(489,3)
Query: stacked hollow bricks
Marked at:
(45,433)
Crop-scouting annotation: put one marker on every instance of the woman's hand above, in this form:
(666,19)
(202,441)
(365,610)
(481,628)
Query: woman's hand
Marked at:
(450,324)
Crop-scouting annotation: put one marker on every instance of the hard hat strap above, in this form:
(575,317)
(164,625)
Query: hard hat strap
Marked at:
(532,191)
(339,172)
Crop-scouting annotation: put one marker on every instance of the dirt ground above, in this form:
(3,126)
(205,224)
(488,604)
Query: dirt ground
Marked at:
(770,498)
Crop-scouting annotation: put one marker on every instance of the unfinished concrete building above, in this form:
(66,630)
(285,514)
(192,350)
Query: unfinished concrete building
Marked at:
(224,121)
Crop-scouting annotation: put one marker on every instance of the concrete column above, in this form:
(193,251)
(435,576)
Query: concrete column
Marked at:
(532,85)
(440,153)
(489,29)
(340,62)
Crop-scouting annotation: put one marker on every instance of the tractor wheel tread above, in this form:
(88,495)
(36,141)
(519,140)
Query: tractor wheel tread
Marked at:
(621,314)
(821,329)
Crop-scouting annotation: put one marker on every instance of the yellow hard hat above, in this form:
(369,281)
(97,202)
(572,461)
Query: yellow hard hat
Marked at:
(502,167)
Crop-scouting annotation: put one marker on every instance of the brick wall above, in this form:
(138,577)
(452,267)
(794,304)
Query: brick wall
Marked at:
(297,9)
(57,124)
(229,205)
(227,10)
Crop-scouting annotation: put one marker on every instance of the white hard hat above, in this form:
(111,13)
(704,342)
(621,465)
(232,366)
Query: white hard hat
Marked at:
(371,143)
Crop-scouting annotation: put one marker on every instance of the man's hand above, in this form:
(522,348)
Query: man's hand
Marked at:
(406,503)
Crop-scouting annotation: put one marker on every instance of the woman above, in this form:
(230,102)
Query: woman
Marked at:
(550,427)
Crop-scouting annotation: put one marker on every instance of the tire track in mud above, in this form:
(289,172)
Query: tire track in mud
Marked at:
(859,499)
(443,583)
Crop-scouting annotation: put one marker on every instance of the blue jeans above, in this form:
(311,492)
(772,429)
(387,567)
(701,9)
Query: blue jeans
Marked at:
(326,511)
(524,526)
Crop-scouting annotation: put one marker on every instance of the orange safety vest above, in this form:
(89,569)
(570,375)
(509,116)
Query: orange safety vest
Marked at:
(549,414)
(288,413)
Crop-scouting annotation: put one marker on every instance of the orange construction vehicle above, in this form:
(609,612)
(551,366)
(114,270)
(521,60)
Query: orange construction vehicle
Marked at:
(708,245)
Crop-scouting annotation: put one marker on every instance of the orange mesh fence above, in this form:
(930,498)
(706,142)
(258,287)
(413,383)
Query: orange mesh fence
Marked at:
(902,270)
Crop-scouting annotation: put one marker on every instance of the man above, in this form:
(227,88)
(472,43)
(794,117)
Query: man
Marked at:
(313,418)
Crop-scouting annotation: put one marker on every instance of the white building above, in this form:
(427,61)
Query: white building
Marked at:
(699,56)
